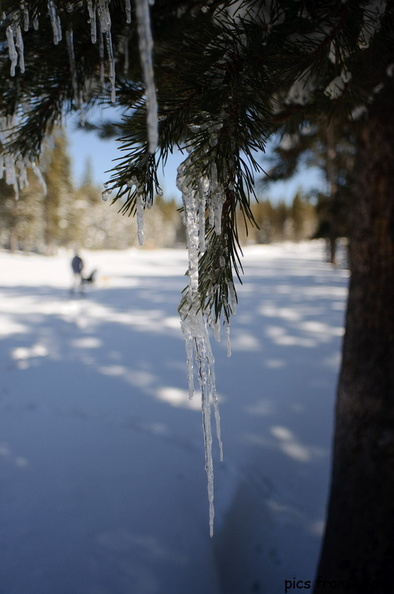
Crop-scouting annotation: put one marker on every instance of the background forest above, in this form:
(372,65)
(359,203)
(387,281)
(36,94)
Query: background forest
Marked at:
(51,212)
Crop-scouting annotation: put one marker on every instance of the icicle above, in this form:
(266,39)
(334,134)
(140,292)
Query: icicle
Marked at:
(55,22)
(71,59)
(102,78)
(104,15)
(215,326)
(21,172)
(11,177)
(192,224)
(217,425)
(12,53)
(140,219)
(26,20)
(106,193)
(128,11)
(93,21)
(202,188)
(195,331)
(20,47)
(105,27)
(233,297)
(228,339)
(40,177)
(218,208)
(146,46)
(189,345)
(216,200)
(111,58)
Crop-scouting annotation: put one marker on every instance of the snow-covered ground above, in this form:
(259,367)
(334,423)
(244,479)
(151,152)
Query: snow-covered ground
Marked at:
(102,482)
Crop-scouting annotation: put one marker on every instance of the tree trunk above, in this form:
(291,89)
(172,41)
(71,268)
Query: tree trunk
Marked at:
(358,549)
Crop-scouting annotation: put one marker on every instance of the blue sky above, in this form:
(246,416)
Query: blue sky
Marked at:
(84,147)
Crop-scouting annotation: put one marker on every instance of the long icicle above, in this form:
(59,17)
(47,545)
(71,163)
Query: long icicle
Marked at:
(195,330)
(146,48)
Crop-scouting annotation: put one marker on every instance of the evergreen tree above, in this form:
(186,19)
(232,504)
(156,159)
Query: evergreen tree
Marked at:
(303,218)
(228,75)
(21,221)
(9,217)
(59,191)
(332,149)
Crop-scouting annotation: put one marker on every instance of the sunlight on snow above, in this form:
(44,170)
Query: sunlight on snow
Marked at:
(23,355)
(274,363)
(243,341)
(8,327)
(112,363)
(317,527)
(286,313)
(279,336)
(137,378)
(89,342)
(178,397)
(324,330)
(16,460)
(152,320)
(264,408)
(290,445)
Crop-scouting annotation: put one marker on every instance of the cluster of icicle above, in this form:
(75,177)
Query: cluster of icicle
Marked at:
(205,194)
(99,20)
(14,169)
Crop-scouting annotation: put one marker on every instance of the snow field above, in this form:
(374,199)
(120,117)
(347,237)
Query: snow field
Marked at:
(103,488)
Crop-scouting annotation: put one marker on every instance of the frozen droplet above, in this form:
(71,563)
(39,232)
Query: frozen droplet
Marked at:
(106,193)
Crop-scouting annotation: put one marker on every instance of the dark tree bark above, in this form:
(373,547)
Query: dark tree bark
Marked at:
(358,549)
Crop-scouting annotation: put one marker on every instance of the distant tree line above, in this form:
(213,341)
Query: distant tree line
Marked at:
(50,213)
(280,221)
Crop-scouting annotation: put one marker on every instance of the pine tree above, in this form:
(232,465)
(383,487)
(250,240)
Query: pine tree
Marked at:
(332,149)
(9,216)
(59,191)
(21,221)
(228,75)
(303,218)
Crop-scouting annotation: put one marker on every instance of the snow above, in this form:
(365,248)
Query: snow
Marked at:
(102,463)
